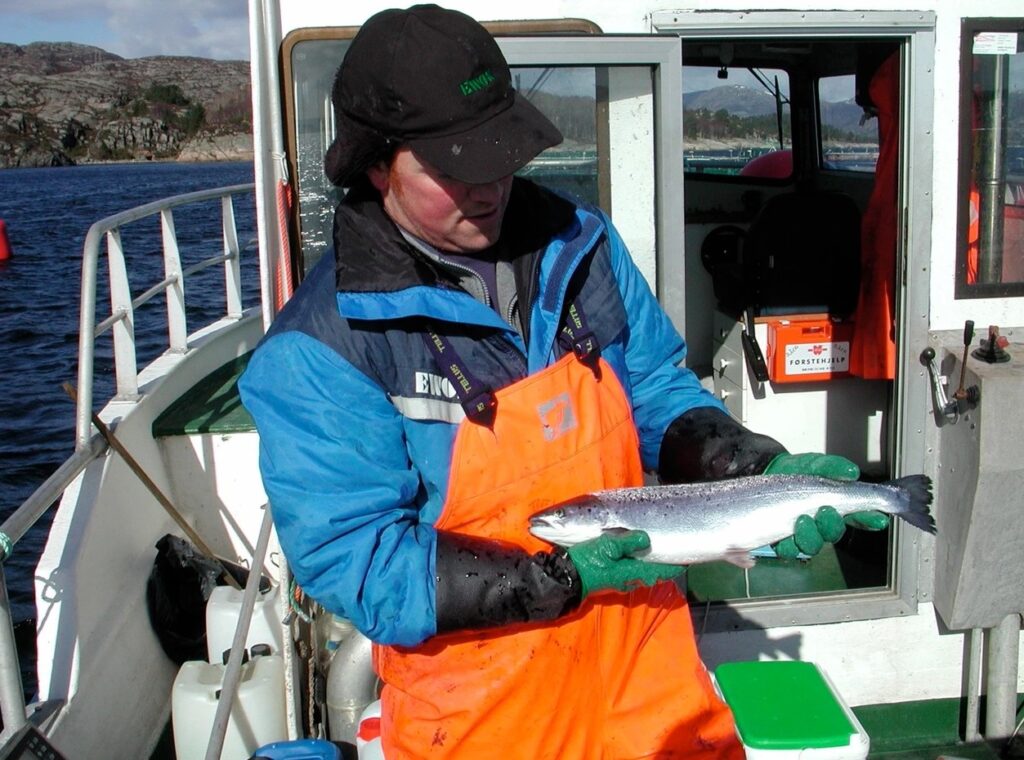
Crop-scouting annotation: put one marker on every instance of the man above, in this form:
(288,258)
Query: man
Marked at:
(478,350)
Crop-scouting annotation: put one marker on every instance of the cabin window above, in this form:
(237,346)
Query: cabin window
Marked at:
(569,96)
(849,136)
(313,64)
(573,97)
(736,121)
(830,57)
(991,214)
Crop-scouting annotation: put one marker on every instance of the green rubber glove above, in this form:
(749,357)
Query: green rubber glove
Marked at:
(605,563)
(810,534)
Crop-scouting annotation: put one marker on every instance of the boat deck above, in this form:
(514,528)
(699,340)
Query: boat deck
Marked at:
(925,730)
(913,727)
(978,751)
(907,731)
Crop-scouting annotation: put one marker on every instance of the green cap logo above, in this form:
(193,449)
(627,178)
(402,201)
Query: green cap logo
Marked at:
(478,83)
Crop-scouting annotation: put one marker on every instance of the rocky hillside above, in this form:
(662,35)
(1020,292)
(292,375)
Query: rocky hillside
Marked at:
(63,103)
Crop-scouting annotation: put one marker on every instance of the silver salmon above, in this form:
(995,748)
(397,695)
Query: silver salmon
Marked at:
(726,519)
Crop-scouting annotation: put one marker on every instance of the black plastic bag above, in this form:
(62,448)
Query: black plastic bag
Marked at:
(178,588)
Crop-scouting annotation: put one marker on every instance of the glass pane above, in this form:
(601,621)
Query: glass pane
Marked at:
(858,561)
(314,63)
(849,140)
(736,121)
(995,202)
(568,96)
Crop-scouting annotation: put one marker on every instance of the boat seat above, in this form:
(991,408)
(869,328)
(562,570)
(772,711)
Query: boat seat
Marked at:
(210,406)
(801,254)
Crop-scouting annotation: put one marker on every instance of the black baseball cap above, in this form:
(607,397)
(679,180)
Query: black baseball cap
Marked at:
(435,80)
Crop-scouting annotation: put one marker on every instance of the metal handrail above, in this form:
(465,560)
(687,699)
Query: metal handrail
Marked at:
(123,306)
(87,446)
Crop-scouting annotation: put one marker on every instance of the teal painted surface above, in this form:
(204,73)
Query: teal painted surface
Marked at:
(211,406)
(927,729)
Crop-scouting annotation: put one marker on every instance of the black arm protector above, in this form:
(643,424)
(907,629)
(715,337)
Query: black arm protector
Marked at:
(707,444)
(482,584)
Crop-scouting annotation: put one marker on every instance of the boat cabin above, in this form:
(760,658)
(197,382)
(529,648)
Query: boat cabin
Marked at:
(775,175)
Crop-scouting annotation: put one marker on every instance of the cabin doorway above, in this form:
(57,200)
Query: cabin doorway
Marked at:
(801,224)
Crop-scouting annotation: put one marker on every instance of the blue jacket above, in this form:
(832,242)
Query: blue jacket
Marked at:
(357,424)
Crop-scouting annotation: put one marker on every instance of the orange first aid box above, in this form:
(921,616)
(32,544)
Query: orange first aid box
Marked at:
(807,348)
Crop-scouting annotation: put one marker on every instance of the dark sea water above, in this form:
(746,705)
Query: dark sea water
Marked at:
(47,212)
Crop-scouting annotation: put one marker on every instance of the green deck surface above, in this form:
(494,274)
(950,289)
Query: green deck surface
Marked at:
(210,406)
(925,730)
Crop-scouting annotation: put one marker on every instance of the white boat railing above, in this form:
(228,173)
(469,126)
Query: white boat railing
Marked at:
(122,319)
(123,306)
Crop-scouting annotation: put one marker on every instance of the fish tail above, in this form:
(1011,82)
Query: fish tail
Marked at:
(918,490)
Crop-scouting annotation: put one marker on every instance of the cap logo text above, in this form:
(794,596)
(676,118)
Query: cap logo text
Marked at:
(477,83)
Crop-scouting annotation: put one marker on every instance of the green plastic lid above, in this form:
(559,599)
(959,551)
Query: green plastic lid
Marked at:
(783,705)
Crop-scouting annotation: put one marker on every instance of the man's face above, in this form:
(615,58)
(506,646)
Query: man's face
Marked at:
(451,215)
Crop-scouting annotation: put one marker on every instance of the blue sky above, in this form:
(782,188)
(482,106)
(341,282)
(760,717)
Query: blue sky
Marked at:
(134,28)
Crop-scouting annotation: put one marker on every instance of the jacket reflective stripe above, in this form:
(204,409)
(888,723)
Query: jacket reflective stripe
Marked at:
(427,409)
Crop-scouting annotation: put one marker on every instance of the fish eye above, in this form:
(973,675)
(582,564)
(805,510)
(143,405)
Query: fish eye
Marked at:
(560,514)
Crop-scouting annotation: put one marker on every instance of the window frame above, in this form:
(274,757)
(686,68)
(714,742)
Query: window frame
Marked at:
(962,289)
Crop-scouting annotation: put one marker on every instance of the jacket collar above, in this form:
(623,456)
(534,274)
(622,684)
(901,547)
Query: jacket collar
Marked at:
(381,275)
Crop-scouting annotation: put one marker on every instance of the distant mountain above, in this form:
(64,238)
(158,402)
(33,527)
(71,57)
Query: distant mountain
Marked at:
(62,103)
(747,102)
(737,99)
(847,116)
(52,57)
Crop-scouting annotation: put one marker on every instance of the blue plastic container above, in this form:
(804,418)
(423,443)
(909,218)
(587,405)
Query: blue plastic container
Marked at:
(300,749)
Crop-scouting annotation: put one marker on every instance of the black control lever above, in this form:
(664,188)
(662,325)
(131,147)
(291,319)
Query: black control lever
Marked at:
(751,350)
(961,394)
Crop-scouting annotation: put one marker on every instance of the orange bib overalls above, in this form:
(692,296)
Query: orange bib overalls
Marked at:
(619,677)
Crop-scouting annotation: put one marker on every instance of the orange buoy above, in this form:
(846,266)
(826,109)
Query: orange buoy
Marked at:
(5,243)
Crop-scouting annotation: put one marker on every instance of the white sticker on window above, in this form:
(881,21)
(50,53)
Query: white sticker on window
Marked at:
(995,43)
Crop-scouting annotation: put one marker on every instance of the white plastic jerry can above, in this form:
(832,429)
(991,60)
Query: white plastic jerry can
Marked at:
(257,717)
(368,741)
(222,613)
